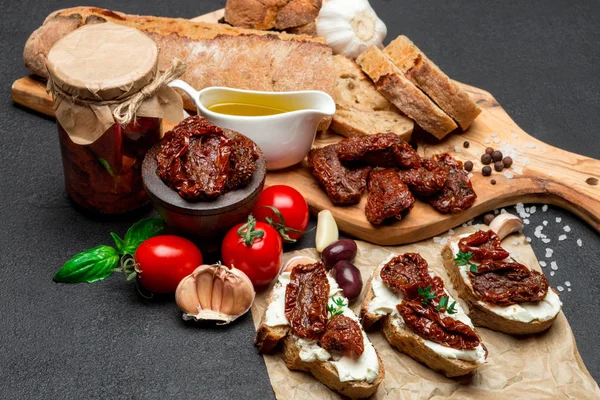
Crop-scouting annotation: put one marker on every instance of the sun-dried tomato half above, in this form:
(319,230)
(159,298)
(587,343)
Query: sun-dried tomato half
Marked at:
(506,283)
(343,334)
(484,245)
(407,272)
(428,323)
(306,300)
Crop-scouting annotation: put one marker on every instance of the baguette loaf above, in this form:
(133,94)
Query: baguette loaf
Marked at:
(391,82)
(271,14)
(393,329)
(420,70)
(215,54)
(361,109)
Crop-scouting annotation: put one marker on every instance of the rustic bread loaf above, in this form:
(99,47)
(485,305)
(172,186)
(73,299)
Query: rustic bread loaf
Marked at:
(271,14)
(391,82)
(360,108)
(216,54)
(420,70)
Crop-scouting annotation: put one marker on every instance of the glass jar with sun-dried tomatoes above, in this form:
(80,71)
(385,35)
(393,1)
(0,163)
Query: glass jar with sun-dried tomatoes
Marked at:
(109,102)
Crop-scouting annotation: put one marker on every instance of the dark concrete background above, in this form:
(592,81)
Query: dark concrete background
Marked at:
(541,61)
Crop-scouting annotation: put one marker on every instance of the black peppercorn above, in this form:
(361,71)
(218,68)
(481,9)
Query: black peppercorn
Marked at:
(468,166)
(489,151)
(497,155)
(486,171)
(507,162)
(488,218)
(498,166)
(493,181)
(486,159)
(466,144)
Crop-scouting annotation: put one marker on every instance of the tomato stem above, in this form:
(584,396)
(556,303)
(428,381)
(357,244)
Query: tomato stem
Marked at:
(248,231)
(281,227)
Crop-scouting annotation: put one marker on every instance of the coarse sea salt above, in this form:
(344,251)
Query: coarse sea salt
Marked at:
(496,140)
(551,273)
(567,283)
(486,140)
(443,241)
(569,289)
(528,239)
(562,237)
(517,170)
(546,240)
(503,211)
(526,221)
(554,266)
(560,288)
(567,228)
(457,149)
(545,207)
(579,242)
(558,219)
(515,242)
(542,264)
(508,174)
(437,239)
(549,252)
(545,223)
(532,210)
(450,232)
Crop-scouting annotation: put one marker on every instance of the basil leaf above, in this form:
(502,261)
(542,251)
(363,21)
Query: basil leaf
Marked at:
(118,242)
(140,231)
(90,266)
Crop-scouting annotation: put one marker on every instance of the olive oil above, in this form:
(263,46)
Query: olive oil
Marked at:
(245,110)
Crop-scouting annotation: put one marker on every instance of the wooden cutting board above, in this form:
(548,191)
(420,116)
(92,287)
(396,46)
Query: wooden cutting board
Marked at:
(541,173)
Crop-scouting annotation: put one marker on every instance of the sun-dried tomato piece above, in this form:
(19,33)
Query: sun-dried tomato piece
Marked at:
(388,197)
(306,300)
(244,154)
(484,245)
(343,334)
(381,150)
(343,185)
(426,180)
(407,272)
(457,194)
(506,283)
(428,323)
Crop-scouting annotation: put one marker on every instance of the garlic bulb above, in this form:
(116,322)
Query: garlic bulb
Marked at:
(215,293)
(350,26)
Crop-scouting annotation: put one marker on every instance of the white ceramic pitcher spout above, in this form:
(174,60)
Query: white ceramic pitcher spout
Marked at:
(286,138)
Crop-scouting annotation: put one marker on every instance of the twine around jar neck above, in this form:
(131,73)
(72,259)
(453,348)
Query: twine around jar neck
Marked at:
(127,107)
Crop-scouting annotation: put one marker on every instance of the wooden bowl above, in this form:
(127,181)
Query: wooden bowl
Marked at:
(205,222)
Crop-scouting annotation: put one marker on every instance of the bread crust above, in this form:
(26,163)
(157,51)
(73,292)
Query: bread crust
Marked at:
(425,74)
(271,14)
(410,343)
(361,109)
(390,81)
(268,337)
(483,316)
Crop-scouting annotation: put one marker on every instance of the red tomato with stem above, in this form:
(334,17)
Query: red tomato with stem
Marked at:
(293,217)
(163,261)
(254,248)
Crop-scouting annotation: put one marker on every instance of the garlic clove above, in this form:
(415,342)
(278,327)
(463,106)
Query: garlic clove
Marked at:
(327,230)
(187,295)
(505,224)
(216,293)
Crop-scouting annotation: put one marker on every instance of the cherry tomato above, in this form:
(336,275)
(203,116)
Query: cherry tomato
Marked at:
(292,206)
(164,261)
(255,248)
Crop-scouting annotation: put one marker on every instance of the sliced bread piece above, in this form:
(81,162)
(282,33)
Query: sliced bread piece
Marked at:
(390,81)
(507,319)
(420,70)
(382,309)
(306,355)
(361,109)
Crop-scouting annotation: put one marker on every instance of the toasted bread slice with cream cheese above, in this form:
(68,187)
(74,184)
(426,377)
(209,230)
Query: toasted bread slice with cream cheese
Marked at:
(379,306)
(517,319)
(354,377)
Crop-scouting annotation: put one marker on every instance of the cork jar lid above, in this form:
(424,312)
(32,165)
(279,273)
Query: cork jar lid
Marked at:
(103,61)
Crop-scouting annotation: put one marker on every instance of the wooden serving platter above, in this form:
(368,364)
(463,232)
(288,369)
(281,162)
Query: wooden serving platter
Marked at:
(541,173)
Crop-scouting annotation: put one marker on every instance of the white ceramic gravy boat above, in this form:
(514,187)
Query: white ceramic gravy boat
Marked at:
(286,138)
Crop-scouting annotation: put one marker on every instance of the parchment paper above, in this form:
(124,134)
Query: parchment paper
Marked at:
(542,366)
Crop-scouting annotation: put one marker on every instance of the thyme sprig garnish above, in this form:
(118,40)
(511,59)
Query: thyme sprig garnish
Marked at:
(444,307)
(463,259)
(338,308)
(426,294)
